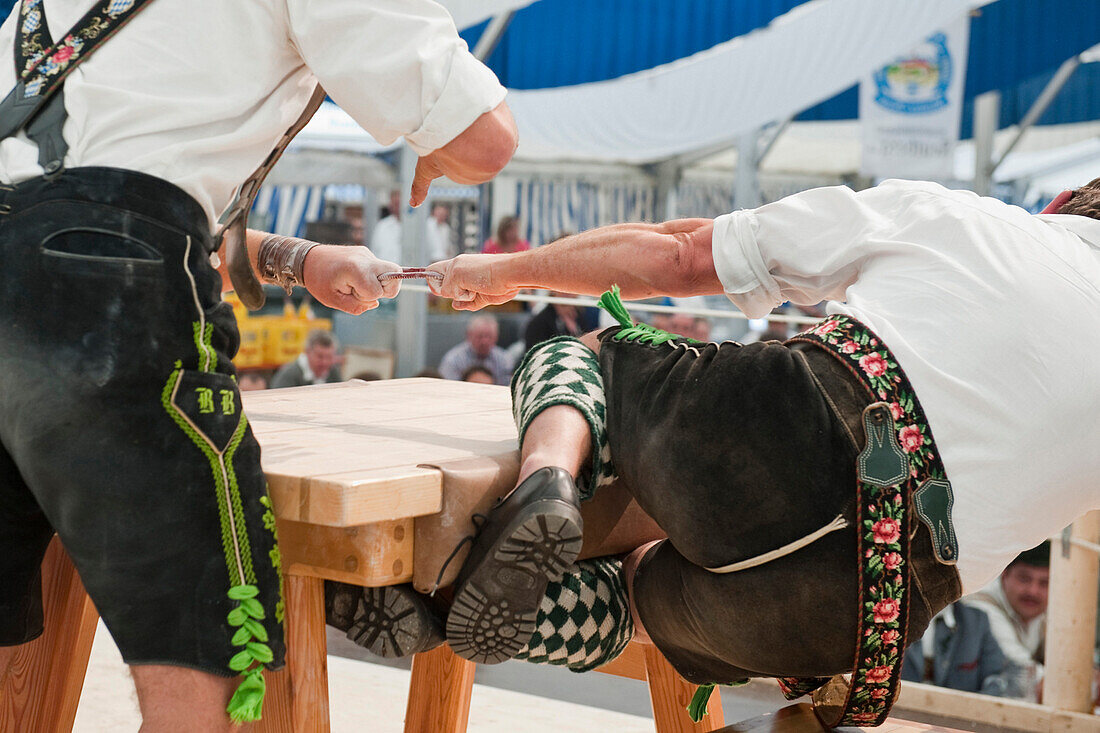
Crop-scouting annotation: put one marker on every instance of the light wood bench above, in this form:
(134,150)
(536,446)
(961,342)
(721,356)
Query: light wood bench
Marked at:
(345,468)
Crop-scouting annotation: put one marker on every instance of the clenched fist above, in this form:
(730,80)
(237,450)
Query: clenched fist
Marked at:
(473,281)
(346,278)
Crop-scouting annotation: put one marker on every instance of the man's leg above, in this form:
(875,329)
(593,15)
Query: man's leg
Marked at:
(180,700)
(558,436)
(532,537)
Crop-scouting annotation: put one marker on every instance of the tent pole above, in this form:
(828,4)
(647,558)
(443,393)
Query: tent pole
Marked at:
(492,34)
(746,192)
(668,173)
(987,112)
(1071,617)
(1039,106)
(412,307)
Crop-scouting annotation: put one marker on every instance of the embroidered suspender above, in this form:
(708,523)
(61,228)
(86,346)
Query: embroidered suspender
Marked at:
(898,467)
(41,66)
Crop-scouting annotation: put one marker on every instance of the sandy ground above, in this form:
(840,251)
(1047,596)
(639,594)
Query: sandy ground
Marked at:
(368,694)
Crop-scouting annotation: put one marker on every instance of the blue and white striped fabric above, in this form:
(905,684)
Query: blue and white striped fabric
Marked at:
(287,209)
(547,208)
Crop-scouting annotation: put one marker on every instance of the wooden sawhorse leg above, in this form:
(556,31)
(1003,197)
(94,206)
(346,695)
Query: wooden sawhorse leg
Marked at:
(42,691)
(297,695)
(669,693)
(439,692)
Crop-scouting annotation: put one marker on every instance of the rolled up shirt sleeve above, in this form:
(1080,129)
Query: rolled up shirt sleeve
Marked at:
(804,248)
(398,67)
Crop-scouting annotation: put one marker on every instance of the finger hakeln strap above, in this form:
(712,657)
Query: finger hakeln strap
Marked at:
(584,619)
(563,371)
(206,405)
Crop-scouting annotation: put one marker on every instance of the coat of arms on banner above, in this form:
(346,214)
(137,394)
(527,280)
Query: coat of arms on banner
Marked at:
(919,82)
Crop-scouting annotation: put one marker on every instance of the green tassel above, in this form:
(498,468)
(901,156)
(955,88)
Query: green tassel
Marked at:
(260,652)
(253,608)
(237,616)
(240,592)
(613,304)
(697,708)
(242,637)
(248,701)
(241,661)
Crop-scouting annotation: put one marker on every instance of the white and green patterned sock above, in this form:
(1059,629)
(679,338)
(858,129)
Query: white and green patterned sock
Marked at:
(563,371)
(584,620)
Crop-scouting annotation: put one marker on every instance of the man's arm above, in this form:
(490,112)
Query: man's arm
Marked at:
(475,156)
(341,277)
(673,258)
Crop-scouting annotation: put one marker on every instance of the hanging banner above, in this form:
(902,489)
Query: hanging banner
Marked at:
(910,109)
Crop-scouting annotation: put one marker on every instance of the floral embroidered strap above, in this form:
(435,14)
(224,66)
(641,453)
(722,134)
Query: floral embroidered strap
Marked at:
(41,66)
(900,457)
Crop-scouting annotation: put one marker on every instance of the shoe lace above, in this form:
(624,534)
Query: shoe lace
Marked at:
(644,333)
(479,521)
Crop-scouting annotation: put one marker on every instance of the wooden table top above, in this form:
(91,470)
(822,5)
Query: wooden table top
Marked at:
(354,453)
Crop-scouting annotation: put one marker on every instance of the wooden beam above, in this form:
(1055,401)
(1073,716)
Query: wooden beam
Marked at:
(969,708)
(297,696)
(42,689)
(439,692)
(1071,618)
(669,694)
(372,555)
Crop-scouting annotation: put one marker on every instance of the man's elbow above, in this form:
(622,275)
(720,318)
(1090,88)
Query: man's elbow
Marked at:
(484,148)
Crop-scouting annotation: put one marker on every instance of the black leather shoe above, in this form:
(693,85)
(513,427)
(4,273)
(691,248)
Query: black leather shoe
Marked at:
(394,621)
(527,541)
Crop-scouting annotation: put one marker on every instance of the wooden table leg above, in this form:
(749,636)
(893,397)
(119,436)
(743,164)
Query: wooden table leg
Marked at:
(439,692)
(670,694)
(42,691)
(297,695)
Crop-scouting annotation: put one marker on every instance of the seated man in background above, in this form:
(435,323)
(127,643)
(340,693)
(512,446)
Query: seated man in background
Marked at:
(478,349)
(958,651)
(317,364)
(1016,603)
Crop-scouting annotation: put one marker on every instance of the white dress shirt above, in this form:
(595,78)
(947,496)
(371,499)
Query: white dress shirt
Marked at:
(198,91)
(993,315)
(385,240)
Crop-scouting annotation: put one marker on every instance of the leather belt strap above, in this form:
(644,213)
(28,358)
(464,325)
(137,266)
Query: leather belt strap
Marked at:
(898,470)
(234,219)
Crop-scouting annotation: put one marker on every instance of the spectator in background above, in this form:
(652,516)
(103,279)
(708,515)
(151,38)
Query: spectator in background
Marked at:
(480,348)
(507,239)
(385,240)
(440,238)
(478,374)
(248,381)
(1016,604)
(959,651)
(315,365)
(558,319)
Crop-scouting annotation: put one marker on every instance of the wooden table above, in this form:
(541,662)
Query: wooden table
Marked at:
(348,475)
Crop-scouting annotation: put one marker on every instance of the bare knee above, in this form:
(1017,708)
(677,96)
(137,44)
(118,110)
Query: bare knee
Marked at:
(180,699)
(591,340)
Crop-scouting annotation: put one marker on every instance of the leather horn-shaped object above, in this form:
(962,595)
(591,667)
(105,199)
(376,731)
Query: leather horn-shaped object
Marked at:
(245,284)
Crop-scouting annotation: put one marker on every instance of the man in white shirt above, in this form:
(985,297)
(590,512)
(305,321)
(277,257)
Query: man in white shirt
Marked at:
(315,365)
(119,416)
(440,239)
(743,454)
(385,240)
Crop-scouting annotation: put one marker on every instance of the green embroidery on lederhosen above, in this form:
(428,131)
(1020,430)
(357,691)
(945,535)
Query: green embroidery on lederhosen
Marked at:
(247,701)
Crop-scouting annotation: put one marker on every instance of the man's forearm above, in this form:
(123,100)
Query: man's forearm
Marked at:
(644,260)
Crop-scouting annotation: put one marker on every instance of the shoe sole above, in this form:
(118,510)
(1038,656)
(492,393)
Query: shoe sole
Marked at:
(494,611)
(390,624)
